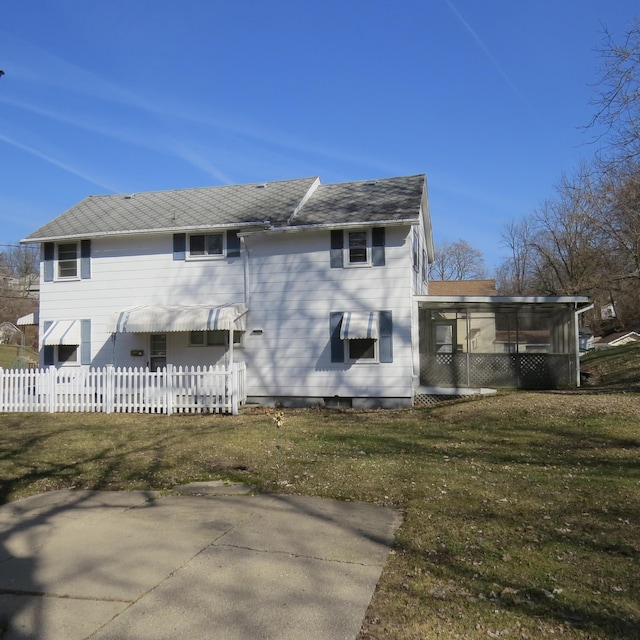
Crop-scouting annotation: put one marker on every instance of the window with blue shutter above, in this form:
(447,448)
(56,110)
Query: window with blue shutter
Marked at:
(179,246)
(337,345)
(85,341)
(48,258)
(336,257)
(357,247)
(362,350)
(85,259)
(385,327)
(233,243)
(48,352)
(216,244)
(377,246)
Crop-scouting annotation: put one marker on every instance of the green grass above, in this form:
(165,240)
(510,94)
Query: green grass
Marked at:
(618,367)
(521,511)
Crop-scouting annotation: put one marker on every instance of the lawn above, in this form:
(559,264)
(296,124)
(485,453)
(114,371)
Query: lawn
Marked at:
(521,511)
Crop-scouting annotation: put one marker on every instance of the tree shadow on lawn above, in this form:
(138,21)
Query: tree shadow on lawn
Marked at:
(576,489)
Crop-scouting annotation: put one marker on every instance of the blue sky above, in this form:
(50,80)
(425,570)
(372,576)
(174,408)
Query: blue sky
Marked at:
(487,97)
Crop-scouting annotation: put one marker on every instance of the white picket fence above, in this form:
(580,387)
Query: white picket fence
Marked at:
(124,390)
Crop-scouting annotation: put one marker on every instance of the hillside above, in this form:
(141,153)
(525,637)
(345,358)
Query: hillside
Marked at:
(617,368)
(9,354)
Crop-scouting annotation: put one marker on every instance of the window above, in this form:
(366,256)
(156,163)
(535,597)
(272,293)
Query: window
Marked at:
(444,334)
(213,338)
(158,351)
(67,354)
(361,350)
(206,245)
(361,336)
(68,260)
(358,247)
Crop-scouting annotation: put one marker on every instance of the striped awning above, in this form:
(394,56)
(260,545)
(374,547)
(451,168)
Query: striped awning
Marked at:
(28,320)
(66,332)
(359,325)
(149,319)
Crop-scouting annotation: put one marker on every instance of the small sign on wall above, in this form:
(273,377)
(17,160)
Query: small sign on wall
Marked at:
(137,352)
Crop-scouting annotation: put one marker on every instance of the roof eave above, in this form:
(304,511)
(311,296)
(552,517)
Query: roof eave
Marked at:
(149,231)
(577,300)
(333,225)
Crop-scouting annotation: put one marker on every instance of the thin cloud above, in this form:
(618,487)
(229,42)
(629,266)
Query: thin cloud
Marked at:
(55,162)
(486,51)
(61,74)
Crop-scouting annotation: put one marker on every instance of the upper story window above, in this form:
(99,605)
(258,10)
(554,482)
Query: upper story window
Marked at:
(68,255)
(358,247)
(358,243)
(66,260)
(219,244)
(206,245)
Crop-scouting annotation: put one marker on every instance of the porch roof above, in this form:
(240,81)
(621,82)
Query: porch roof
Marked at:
(577,301)
(167,318)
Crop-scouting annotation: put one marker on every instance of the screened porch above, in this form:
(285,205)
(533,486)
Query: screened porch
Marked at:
(479,342)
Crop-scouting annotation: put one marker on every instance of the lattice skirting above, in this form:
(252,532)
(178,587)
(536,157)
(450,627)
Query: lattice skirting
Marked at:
(522,370)
(428,399)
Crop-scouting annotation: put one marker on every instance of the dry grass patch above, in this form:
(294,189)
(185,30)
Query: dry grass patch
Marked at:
(521,511)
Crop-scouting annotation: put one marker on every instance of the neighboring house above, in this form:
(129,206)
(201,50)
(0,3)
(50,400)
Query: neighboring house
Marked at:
(462,288)
(617,339)
(320,289)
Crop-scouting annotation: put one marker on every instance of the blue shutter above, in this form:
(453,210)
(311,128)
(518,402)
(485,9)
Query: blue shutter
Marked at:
(49,252)
(337,345)
(233,244)
(179,246)
(85,259)
(385,338)
(337,240)
(85,341)
(377,246)
(48,352)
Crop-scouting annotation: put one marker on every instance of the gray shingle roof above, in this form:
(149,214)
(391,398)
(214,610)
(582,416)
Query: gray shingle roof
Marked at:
(390,199)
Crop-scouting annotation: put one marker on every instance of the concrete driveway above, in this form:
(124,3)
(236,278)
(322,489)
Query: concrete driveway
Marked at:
(138,565)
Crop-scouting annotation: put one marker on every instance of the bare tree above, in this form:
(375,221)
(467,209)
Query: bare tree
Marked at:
(457,261)
(20,260)
(513,276)
(618,95)
(18,275)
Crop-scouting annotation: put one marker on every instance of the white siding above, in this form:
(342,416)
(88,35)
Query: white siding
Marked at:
(137,270)
(293,291)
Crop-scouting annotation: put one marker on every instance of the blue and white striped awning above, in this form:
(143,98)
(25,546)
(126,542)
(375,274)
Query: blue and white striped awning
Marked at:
(359,325)
(66,332)
(151,319)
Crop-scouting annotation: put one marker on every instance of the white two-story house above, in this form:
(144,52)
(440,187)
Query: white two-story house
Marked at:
(311,285)
(321,290)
